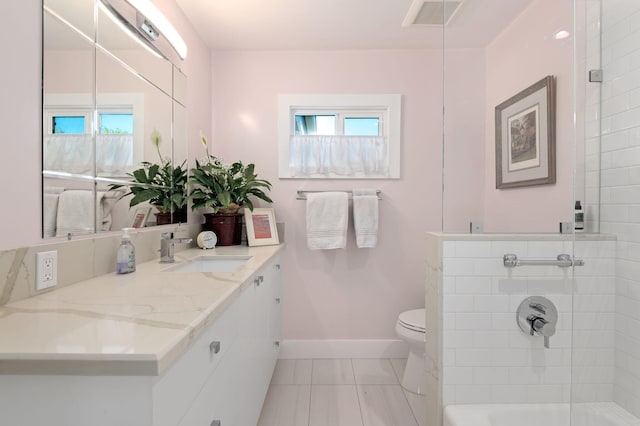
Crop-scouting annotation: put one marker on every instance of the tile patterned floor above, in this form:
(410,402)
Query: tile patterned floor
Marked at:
(341,392)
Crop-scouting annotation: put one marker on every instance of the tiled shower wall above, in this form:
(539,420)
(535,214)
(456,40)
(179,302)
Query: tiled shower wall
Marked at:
(485,356)
(620,183)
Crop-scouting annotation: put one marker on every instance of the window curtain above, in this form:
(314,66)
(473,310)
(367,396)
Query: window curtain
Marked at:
(74,154)
(338,155)
(114,154)
(68,153)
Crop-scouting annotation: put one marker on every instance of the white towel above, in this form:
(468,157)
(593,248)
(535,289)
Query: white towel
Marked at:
(327,219)
(365,217)
(49,214)
(75,213)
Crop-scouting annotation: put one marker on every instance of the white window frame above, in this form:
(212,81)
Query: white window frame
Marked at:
(81,103)
(388,106)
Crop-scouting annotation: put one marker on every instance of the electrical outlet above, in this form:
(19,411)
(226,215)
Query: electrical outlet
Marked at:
(46,269)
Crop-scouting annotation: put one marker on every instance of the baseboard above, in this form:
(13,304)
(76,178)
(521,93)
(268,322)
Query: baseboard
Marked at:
(313,349)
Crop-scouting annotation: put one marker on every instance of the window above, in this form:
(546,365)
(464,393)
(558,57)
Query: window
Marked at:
(78,122)
(340,123)
(70,125)
(120,123)
(339,136)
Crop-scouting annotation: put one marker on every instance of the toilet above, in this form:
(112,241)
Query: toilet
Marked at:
(410,328)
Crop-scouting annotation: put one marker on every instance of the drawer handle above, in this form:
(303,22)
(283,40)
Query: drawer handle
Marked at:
(216,423)
(257,282)
(214,347)
(277,343)
(261,278)
(278,300)
(278,266)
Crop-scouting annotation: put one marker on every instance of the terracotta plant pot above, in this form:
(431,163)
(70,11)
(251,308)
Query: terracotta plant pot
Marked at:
(227,227)
(163,218)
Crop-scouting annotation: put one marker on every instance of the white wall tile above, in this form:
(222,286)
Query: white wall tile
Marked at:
(457,303)
(509,285)
(490,375)
(474,357)
(510,357)
(457,375)
(491,303)
(473,249)
(473,285)
(490,339)
(473,321)
(500,248)
(489,359)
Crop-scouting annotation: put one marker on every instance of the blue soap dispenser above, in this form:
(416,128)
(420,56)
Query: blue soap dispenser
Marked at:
(126,256)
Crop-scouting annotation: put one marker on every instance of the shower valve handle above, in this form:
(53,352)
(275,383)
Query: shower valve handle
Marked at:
(538,316)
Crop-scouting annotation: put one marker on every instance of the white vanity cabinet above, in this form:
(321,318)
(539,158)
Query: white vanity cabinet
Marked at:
(220,379)
(234,392)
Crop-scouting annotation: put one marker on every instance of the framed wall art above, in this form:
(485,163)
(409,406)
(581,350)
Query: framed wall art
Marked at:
(525,137)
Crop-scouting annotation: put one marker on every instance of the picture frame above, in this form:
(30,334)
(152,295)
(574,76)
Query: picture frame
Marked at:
(140,217)
(261,227)
(525,137)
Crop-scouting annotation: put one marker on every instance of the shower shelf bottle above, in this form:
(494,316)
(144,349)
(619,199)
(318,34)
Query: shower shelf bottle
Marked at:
(126,256)
(578,217)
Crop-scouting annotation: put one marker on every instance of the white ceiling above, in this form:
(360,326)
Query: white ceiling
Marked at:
(341,24)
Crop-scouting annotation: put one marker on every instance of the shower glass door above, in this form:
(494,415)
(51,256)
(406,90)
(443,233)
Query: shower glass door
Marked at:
(517,146)
(606,356)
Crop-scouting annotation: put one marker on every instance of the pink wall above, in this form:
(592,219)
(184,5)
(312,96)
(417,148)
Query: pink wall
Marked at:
(523,54)
(464,139)
(20,162)
(352,293)
(20,116)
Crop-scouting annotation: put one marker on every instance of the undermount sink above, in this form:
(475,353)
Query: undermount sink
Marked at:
(210,264)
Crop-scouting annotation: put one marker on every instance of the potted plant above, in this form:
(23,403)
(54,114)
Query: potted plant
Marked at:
(225,188)
(163,185)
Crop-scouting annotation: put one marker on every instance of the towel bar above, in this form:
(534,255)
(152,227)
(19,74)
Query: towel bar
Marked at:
(302,193)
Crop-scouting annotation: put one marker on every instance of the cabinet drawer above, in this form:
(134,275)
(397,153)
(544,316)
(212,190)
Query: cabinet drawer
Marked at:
(176,390)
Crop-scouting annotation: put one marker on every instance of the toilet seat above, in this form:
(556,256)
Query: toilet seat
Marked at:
(413,320)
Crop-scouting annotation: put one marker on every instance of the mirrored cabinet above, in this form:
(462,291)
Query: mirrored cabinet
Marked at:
(114,120)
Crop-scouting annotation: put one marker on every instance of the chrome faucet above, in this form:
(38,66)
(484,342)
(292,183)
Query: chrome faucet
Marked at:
(166,246)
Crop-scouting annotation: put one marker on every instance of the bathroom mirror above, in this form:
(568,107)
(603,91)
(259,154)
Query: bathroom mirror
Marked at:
(105,96)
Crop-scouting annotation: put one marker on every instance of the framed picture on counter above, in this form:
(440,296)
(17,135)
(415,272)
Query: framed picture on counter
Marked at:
(140,217)
(261,227)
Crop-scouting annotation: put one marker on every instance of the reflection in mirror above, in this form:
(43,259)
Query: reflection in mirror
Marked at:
(179,86)
(130,110)
(127,47)
(78,13)
(98,121)
(68,100)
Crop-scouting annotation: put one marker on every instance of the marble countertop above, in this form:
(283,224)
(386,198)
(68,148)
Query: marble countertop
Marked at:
(134,324)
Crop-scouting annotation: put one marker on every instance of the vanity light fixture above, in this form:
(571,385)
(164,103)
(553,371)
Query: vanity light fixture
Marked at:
(154,22)
(143,21)
(120,22)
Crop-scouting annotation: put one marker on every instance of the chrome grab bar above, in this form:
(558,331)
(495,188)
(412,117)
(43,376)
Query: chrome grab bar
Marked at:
(563,261)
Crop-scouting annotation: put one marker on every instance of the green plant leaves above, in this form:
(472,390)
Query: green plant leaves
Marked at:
(218,186)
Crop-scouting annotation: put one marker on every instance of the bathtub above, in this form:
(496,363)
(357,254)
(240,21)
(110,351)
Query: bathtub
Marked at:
(584,414)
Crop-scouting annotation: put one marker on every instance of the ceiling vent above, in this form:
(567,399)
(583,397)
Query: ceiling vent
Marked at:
(438,13)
